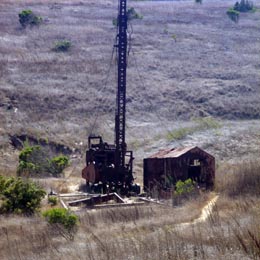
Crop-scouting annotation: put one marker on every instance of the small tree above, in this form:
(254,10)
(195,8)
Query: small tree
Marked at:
(233,15)
(62,46)
(131,15)
(27,17)
(53,200)
(184,187)
(58,164)
(37,161)
(20,196)
(244,6)
(28,160)
(63,221)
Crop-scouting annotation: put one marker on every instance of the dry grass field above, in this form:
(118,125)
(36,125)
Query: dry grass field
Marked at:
(187,61)
(231,230)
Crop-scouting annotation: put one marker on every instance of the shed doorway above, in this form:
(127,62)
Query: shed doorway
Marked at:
(194,170)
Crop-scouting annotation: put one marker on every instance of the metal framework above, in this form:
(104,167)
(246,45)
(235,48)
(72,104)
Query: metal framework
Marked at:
(109,167)
(121,91)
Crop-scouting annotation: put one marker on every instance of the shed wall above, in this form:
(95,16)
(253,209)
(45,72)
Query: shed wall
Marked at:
(165,172)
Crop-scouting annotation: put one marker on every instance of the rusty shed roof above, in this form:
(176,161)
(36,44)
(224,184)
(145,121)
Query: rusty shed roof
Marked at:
(174,152)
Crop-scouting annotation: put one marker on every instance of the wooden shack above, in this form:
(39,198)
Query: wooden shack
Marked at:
(163,169)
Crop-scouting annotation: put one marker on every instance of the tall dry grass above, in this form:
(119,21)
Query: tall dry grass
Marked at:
(142,232)
(239,179)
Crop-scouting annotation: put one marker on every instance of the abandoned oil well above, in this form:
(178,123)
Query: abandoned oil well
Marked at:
(109,167)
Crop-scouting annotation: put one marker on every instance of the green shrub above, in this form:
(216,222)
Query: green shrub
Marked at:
(131,15)
(52,200)
(244,6)
(27,163)
(27,17)
(115,22)
(233,14)
(207,123)
(20,196)
(63,217)
(62,46)
(202,123)
(180,133)
(35,161)
(184,187)
(58,164)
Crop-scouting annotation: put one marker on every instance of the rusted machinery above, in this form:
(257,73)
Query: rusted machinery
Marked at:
(109,167)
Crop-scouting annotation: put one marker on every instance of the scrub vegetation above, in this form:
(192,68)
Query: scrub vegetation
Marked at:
(36,161)
(19,196)
(148,232)
(27,17)
(193,79)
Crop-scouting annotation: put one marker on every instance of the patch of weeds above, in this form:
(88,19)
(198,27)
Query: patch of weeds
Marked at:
(58,164)
(35,161)
(180,133)
(203,123)
(20,196)
(233,14)
(244,6)
(184,187)
(131,15)
(62,46)
(27,17)
(63,221)
(52,200)
(184,190)
(207,123)
(174,37)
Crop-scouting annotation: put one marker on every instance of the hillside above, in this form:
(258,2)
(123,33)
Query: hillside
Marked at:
(186,61)
(193,79)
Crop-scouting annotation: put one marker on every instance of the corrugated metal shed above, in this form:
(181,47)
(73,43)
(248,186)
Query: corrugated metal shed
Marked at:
(164,168)
(172,153)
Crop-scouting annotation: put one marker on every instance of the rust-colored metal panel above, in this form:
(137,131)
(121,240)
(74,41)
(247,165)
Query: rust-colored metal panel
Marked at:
(163,169)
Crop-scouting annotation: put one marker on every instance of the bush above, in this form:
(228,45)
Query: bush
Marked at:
(131,15)
(184,187)
(202,124)
(27,17)
(243,6)
(20,196)
(62,46)
(58,164)
(35,161)
(233,15)
(63,217)
(52,200)
(27,164)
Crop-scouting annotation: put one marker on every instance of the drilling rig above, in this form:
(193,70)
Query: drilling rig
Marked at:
(109,167)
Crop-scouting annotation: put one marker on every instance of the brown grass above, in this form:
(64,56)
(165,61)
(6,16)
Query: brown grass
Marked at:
(239,179)
(137,233)
(211,69)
